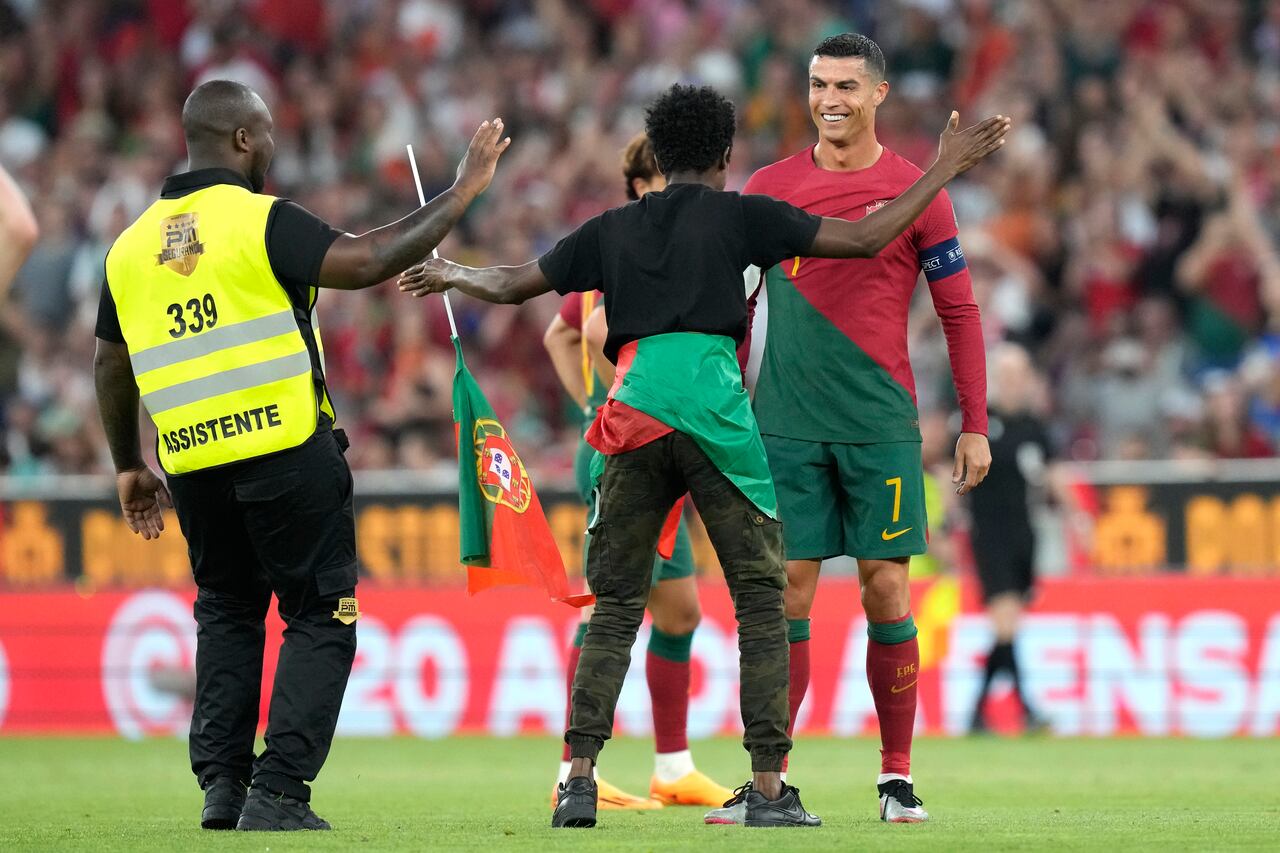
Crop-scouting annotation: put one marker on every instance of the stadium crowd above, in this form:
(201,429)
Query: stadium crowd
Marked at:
(1127,236)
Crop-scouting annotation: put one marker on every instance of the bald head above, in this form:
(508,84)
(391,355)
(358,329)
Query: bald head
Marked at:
(1013,376)
(227,125)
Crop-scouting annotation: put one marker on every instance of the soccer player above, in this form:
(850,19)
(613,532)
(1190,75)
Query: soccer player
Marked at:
(673,601)
(678,419)
(836,399)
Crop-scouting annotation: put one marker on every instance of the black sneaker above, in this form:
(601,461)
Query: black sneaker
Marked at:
(1034,724)
(787,810)
(978,727)
(268,812)
(899,803)
(575,804)
(734,810)
(223,801)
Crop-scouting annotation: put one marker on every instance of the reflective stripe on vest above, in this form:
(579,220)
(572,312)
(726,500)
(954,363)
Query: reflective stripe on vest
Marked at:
(235,379)
(222,337)
(218,352)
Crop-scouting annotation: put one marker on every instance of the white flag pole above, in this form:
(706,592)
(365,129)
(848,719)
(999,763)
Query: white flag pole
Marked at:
(422,200)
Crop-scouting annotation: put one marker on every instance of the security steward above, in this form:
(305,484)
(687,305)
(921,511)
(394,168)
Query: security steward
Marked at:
(208,314)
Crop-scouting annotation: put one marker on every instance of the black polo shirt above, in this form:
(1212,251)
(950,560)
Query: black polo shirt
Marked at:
(1020,449)
(673,261)
(297,241)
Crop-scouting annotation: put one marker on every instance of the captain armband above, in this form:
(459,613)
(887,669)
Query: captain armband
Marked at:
(942,260)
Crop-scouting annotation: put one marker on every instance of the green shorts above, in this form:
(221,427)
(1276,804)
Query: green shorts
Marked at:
(681,564)
(582,469)
(857,500)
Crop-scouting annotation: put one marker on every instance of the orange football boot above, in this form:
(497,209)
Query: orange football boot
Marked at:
(691,789)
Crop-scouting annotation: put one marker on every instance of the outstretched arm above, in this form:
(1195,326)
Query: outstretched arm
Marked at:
(357,262)
(958,151)
(504,285)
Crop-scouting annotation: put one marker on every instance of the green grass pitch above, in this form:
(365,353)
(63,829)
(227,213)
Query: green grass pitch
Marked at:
(474,793)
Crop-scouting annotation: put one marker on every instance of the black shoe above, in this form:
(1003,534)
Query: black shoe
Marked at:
(978,727)
(223,801)
(576,804)
(787,810)
(1034,724)
(268,812)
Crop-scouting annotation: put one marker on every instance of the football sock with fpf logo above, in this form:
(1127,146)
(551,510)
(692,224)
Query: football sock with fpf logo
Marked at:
(798,638)
(668,674)
(798,635)
(571,667)
(893,667)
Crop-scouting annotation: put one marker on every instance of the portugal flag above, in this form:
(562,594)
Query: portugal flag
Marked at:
(504,538)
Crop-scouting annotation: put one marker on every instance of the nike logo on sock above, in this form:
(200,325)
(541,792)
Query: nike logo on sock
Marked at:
(896,689)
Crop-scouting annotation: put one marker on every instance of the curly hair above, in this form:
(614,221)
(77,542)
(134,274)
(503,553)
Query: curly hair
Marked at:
(690,127)
(638,162)
(854,45)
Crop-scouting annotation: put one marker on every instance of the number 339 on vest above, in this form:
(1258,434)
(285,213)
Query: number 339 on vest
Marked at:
(220,358)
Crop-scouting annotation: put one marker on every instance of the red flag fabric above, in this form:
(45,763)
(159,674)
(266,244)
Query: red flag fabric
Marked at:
(670,528)
(504,536)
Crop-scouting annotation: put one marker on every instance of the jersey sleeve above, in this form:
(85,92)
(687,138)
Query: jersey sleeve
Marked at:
(752,277)
(752,282)
(108,325)
(297,241)
(776,230)
(574,264)
(571,310)
(942,261)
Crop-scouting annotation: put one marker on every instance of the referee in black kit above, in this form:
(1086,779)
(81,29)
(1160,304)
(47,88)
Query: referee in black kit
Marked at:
(1004,542)
(207,315)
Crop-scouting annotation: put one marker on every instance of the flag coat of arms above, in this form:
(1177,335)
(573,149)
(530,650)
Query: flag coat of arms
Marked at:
(504,536)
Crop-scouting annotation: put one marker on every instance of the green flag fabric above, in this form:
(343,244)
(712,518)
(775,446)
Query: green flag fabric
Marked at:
(504,538)
(691,382)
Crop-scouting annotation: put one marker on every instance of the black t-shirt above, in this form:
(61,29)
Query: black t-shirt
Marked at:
(297,241)
(673,261)
(1019,450)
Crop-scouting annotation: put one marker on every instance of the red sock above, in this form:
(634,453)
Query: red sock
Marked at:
(669,694)
(799,670)
(575,652)
(892,671)
(799,681)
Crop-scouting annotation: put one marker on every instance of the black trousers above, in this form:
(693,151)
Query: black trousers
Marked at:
(283,524)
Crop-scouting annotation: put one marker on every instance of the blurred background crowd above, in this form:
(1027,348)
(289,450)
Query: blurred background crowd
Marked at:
(1126,237)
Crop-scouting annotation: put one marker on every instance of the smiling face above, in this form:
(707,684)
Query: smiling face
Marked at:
(843,97)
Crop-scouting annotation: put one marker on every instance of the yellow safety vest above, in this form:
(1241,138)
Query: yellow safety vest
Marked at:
(218,352)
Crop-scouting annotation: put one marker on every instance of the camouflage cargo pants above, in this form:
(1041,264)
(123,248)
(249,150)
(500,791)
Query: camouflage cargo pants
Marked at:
(636,493)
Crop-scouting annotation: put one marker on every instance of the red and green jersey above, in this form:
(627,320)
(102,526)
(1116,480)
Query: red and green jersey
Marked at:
(576,310)
(835,364)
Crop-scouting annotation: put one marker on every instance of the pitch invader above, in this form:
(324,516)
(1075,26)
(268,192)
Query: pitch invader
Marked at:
(671,266)
(586,376)
(836,398)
